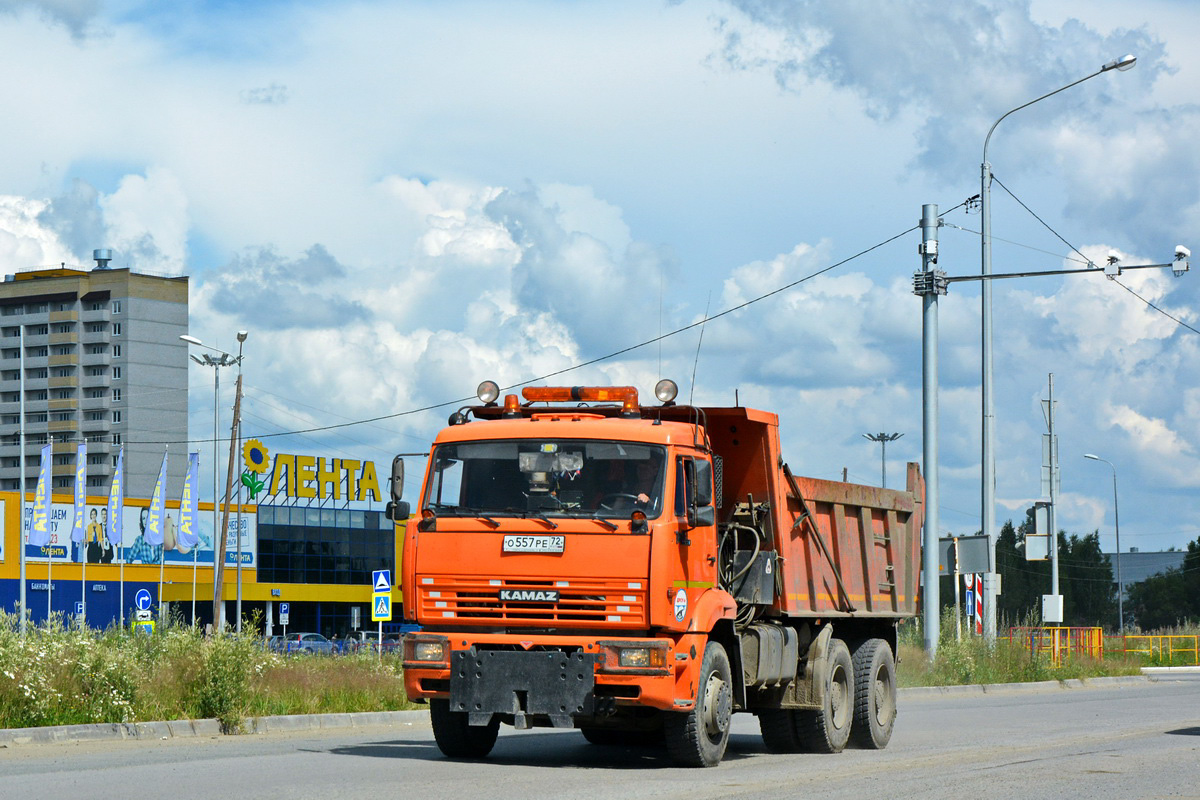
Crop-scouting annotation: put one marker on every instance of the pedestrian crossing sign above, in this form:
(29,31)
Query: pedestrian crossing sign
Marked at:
(381,608)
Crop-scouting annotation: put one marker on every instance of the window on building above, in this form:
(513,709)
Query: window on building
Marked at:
(41,351)
(116,416)
(95,349)
(116,351)
(63,482)
(11,332)
(62,349)
(14,352)
(10,375)
(114,460)
(37,394)
(63,416)
(91,416)
(116,329)
(64,327)
(116,307)
(35,308)
(97,372)
(37,416)
(10,397)
(97,327)
(62,394)
(12,310)
(62,372)
(116,395)
(95,480)
(116,438)
(10,419)
(37,330)
(95,306)
(116,372)
(37,374)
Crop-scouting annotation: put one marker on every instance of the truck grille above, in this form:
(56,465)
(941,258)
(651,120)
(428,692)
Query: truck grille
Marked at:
(613,602)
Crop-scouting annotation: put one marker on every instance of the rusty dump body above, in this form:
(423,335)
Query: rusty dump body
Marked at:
(631,569)
(845,549)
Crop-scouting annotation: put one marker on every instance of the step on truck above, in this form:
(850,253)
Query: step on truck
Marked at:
(641,573)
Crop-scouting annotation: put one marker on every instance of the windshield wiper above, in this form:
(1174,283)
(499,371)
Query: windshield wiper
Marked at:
(463,511)
(606,523)
(542,518)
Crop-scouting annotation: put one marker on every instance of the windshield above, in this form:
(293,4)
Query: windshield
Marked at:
(558,477)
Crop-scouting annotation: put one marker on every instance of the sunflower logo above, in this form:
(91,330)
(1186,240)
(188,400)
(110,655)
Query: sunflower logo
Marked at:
(256,457)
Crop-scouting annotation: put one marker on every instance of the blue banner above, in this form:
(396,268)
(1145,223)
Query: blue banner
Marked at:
(116,501)
(39,528)
(158,504)
(189,534)
(77,526)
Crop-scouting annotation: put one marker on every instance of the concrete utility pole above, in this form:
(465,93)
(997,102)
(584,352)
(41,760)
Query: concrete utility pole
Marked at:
(929,283)
(883,439)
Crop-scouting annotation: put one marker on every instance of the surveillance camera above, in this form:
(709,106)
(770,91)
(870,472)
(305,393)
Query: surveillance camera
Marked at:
(1182,252)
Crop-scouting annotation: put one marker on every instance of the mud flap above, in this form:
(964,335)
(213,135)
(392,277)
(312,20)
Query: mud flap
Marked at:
(552,684)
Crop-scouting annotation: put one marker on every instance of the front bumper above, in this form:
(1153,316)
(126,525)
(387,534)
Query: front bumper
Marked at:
(554,679)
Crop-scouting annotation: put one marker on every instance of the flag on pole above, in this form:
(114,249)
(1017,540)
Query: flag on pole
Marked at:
(39,529)
(189,535)
(116,501)
(158,502)
(77,525)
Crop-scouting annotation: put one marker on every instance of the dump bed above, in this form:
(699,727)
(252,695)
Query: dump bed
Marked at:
(841,549)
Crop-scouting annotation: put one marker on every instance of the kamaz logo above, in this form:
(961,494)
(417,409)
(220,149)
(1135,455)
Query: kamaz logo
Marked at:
(530,595)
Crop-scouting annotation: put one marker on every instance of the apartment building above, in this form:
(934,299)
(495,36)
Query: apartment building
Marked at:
(102,362)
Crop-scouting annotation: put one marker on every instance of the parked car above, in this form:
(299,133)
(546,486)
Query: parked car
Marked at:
(309,643)
(275,644)
(369,640)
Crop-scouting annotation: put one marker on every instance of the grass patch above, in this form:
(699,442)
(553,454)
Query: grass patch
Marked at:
(59,675)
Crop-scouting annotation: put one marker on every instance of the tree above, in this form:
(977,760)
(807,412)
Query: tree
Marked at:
(1172,598)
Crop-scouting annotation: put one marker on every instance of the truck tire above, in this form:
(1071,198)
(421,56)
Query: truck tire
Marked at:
(778,726)
(827,729)
(698,738)
(455,738)
(874,695)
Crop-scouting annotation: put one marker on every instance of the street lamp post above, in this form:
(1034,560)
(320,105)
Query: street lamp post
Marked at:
(224,360)
(1117,529)
(883,439)
(988,487)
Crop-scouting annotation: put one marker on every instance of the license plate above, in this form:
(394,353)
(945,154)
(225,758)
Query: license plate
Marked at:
(534,544)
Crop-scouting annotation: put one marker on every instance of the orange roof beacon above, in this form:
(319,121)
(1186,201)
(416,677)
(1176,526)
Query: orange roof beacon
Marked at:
(641,573)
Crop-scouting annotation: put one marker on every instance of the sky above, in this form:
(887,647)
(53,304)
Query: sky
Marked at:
(398,200)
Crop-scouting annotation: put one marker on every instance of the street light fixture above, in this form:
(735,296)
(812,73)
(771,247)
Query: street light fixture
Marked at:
(206,360)
(988,488)
(883,439)
(1117,529)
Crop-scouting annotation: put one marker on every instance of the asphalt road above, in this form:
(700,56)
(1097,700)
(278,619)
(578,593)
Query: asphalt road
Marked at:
(1115,741)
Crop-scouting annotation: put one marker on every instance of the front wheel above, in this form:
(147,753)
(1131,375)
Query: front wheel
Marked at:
(698,738)
(874,694)
(455,737)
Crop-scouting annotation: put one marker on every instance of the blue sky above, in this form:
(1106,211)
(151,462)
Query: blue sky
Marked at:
(400,200)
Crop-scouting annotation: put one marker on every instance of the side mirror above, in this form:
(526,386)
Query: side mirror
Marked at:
(704,483)
(397,510)
(703,515)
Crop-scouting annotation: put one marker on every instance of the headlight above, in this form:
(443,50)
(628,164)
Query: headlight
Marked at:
(426,649)
(633,656)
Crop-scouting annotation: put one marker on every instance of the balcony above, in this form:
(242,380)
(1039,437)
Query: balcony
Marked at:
(103,315)
(64,316)
(64,381)
(58,426)
(95,359)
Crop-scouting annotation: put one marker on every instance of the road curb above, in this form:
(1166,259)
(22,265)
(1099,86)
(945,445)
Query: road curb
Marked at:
(1036,687)
(199,728)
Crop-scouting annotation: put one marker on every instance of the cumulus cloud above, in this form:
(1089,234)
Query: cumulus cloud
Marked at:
(75,15)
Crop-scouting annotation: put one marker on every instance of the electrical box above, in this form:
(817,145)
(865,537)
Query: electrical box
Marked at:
(1052,608)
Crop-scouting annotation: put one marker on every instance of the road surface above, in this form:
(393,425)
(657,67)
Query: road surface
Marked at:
(1116,741)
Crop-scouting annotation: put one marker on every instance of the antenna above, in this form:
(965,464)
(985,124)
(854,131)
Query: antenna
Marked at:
(700,341)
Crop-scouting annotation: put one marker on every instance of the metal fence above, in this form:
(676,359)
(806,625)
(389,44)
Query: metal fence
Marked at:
(1058,644)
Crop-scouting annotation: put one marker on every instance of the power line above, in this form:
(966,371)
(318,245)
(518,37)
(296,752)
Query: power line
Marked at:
(590,362)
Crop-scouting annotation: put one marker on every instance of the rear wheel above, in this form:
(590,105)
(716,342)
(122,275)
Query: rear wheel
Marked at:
(874,694)
(698,738)
(827,729)
(457,739)
(778,726)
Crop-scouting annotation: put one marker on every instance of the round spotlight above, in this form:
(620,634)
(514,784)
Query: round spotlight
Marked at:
(488,391)
(666,390)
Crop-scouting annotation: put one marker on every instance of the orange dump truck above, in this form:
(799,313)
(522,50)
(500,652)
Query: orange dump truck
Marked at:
(641,573)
